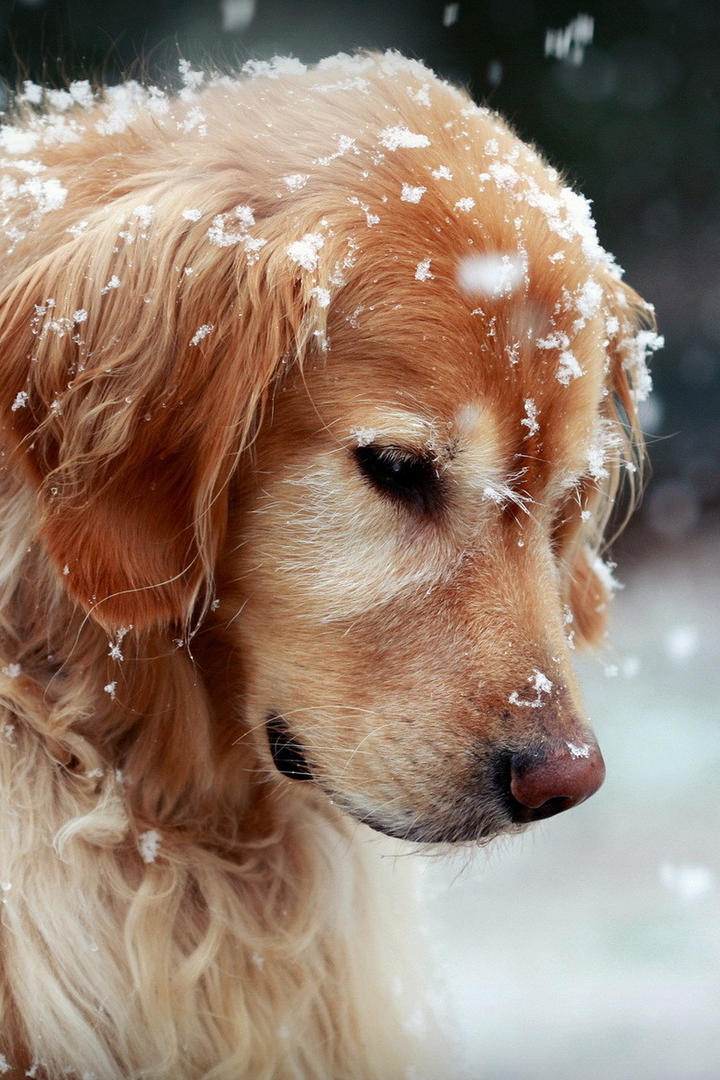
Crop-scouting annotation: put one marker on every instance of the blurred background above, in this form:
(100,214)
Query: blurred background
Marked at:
(590,948)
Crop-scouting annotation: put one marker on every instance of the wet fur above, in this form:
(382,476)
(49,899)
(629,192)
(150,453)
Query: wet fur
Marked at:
(208,496)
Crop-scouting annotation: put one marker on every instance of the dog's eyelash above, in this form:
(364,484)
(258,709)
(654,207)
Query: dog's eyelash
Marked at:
(407,477)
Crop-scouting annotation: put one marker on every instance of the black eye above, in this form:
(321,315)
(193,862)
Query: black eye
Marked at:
(403,475)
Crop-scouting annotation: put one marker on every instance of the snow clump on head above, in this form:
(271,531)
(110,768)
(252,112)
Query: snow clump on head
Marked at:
(393,138)
(604,448)
(423,272)
(568,368)
(273,68)
(412,194)
(530,420)
(230,229)
(295,181)
(321,296)
(305,252)
(218,233)
(637,351)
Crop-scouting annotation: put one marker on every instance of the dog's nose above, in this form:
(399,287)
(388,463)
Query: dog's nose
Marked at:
(546,782)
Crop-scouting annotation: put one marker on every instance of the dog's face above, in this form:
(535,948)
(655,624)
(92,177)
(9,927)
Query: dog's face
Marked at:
(394,524)
(404,571)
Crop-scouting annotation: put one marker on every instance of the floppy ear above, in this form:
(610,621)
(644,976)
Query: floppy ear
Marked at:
(128,387)
(590,591)
(631,337)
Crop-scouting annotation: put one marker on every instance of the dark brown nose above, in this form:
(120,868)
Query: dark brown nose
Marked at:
(551,780)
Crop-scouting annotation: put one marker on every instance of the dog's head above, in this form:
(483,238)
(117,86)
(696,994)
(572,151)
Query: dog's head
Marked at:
(353,361)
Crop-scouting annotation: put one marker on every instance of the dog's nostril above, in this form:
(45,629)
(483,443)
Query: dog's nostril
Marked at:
(525,814)
(546,783)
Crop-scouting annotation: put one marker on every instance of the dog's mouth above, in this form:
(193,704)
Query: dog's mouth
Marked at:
(286,750)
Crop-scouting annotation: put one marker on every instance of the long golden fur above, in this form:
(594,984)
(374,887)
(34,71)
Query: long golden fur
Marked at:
(221,314)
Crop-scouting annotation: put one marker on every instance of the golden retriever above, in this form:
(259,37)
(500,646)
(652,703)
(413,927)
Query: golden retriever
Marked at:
(316,388)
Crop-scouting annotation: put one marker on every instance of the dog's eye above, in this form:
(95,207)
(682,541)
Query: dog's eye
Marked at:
(404,476)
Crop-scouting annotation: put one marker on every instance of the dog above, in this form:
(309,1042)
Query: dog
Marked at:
(316,391)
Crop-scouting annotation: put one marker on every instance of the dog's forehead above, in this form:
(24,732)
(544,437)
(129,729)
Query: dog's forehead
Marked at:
(480,318)
(441,410)
(433,370)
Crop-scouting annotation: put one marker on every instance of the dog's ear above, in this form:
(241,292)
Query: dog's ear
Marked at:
(590,591)
(136,357)
(614,492)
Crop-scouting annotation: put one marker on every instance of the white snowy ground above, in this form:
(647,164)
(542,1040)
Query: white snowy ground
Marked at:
(589,949)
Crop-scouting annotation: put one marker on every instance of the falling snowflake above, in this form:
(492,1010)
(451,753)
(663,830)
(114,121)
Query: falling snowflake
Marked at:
(450,14)
(681,642)
(689,881)
(490,275)
(569,43)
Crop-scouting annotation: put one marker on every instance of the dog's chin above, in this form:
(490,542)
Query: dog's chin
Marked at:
(435,832)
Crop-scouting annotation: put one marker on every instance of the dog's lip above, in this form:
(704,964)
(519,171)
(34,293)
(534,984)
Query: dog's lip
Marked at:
(286,750)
